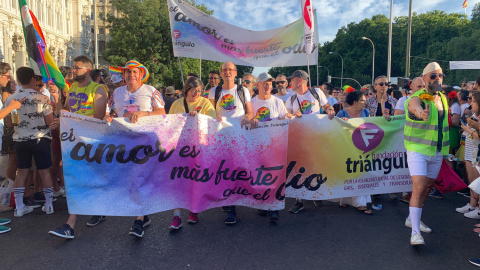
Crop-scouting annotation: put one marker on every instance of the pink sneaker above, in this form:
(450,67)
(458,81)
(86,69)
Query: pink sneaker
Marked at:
(176,223)
(192,218)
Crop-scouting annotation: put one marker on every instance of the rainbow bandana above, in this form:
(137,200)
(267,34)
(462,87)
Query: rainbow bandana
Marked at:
(136,64)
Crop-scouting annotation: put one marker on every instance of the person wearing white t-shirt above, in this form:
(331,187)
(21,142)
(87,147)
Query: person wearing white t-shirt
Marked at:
(417,84)
(136,100)
(230,105)
(266,108)
(463,101)
(303,102)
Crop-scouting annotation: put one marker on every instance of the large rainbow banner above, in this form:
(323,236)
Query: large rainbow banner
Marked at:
(197,163)
(196,34)
(171,161)
(330,159)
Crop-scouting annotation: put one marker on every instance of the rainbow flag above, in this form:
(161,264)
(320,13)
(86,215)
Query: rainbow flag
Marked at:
(465,4)
(114,70)
(39,57)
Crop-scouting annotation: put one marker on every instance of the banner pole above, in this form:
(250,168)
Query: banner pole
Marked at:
(317,74)
(200,75)
(181,71)
(308,68)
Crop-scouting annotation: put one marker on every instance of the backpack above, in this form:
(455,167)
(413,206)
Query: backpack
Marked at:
(240,92)
(314,94)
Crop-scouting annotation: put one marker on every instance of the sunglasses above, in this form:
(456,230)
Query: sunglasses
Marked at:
(77,68)
(39,85)
(228,69)
(281,82)
(247,81)
(470,98)
(382,84)
(214,78)
(433,76)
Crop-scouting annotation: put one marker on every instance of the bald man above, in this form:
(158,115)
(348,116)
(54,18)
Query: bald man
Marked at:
(417,84)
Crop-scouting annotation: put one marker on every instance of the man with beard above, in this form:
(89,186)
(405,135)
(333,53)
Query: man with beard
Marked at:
(281,85)
(426,137)
(86,98)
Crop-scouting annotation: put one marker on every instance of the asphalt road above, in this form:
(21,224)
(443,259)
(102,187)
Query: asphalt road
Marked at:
(327,237)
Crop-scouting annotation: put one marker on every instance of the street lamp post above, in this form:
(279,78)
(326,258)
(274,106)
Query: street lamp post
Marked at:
(373,57)
(328,71)
(341,80)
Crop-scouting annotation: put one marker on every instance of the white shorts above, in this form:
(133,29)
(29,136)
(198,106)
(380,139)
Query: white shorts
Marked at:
(420,164)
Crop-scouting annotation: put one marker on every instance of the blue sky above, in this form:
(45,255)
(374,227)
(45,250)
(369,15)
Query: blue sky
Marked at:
(331,14)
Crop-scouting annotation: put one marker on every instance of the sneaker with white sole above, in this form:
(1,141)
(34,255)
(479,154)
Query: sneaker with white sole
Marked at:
(26,209)
(47,209)
(465,209)
(475,214)
(4,229)
(423,228)
(63,232)
(4,221)
(416,240)
(59,193)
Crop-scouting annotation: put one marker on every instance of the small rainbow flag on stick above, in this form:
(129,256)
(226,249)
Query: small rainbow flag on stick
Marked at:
(114,70)
(39,57)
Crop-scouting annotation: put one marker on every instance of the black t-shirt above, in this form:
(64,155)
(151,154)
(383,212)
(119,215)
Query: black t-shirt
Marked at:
(168,102)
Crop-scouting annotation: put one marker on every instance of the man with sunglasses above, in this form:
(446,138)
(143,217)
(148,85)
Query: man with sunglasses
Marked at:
(381,104)
(87,98)
(426,138)
(248,81)
(281,85)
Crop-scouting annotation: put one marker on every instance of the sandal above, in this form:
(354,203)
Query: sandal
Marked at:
(367,211)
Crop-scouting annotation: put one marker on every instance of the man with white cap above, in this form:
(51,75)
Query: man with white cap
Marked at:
(117,80)
(426,137)
(266,107)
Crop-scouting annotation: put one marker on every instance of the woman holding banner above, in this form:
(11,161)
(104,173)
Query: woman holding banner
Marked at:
(356,101)
(192,103)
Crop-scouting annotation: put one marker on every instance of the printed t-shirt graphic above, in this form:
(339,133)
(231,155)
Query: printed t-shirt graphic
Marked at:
(145,99)
(81,99)
(308,103)
(229,104)
(267,110)
(35,106)
(202,106)
(206,93)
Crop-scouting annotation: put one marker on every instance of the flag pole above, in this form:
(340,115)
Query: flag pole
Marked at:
(308,68)
(181,71)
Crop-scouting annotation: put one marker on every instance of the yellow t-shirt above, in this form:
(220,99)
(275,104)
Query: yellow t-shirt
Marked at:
(81,99)
(202,105)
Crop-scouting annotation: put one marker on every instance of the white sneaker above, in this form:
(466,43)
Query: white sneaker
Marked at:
(475,214)
(417,240)
(59,192)
(465,209)
(423,227)
(26,209)
(47,209)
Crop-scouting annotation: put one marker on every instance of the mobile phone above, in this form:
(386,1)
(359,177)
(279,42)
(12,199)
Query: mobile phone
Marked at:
(463,122)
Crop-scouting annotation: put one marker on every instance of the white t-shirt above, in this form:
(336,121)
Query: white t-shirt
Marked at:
(307,103)
(267,110)
(331,100)
(285,97)
(400,103)
(463,107)
(145,99)
(35,107)
(229,104)
(455,109)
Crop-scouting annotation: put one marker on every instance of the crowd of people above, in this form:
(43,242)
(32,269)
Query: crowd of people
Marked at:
(441,121)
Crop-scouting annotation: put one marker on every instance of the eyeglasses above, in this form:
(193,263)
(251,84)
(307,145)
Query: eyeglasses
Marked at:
(39,85)
(77,68)
(382,84)
(281,82)
(196,91)
(470,98)
(247,81)
(214,78)
(336,92)
(228,69)
(433,76)
(8,76)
